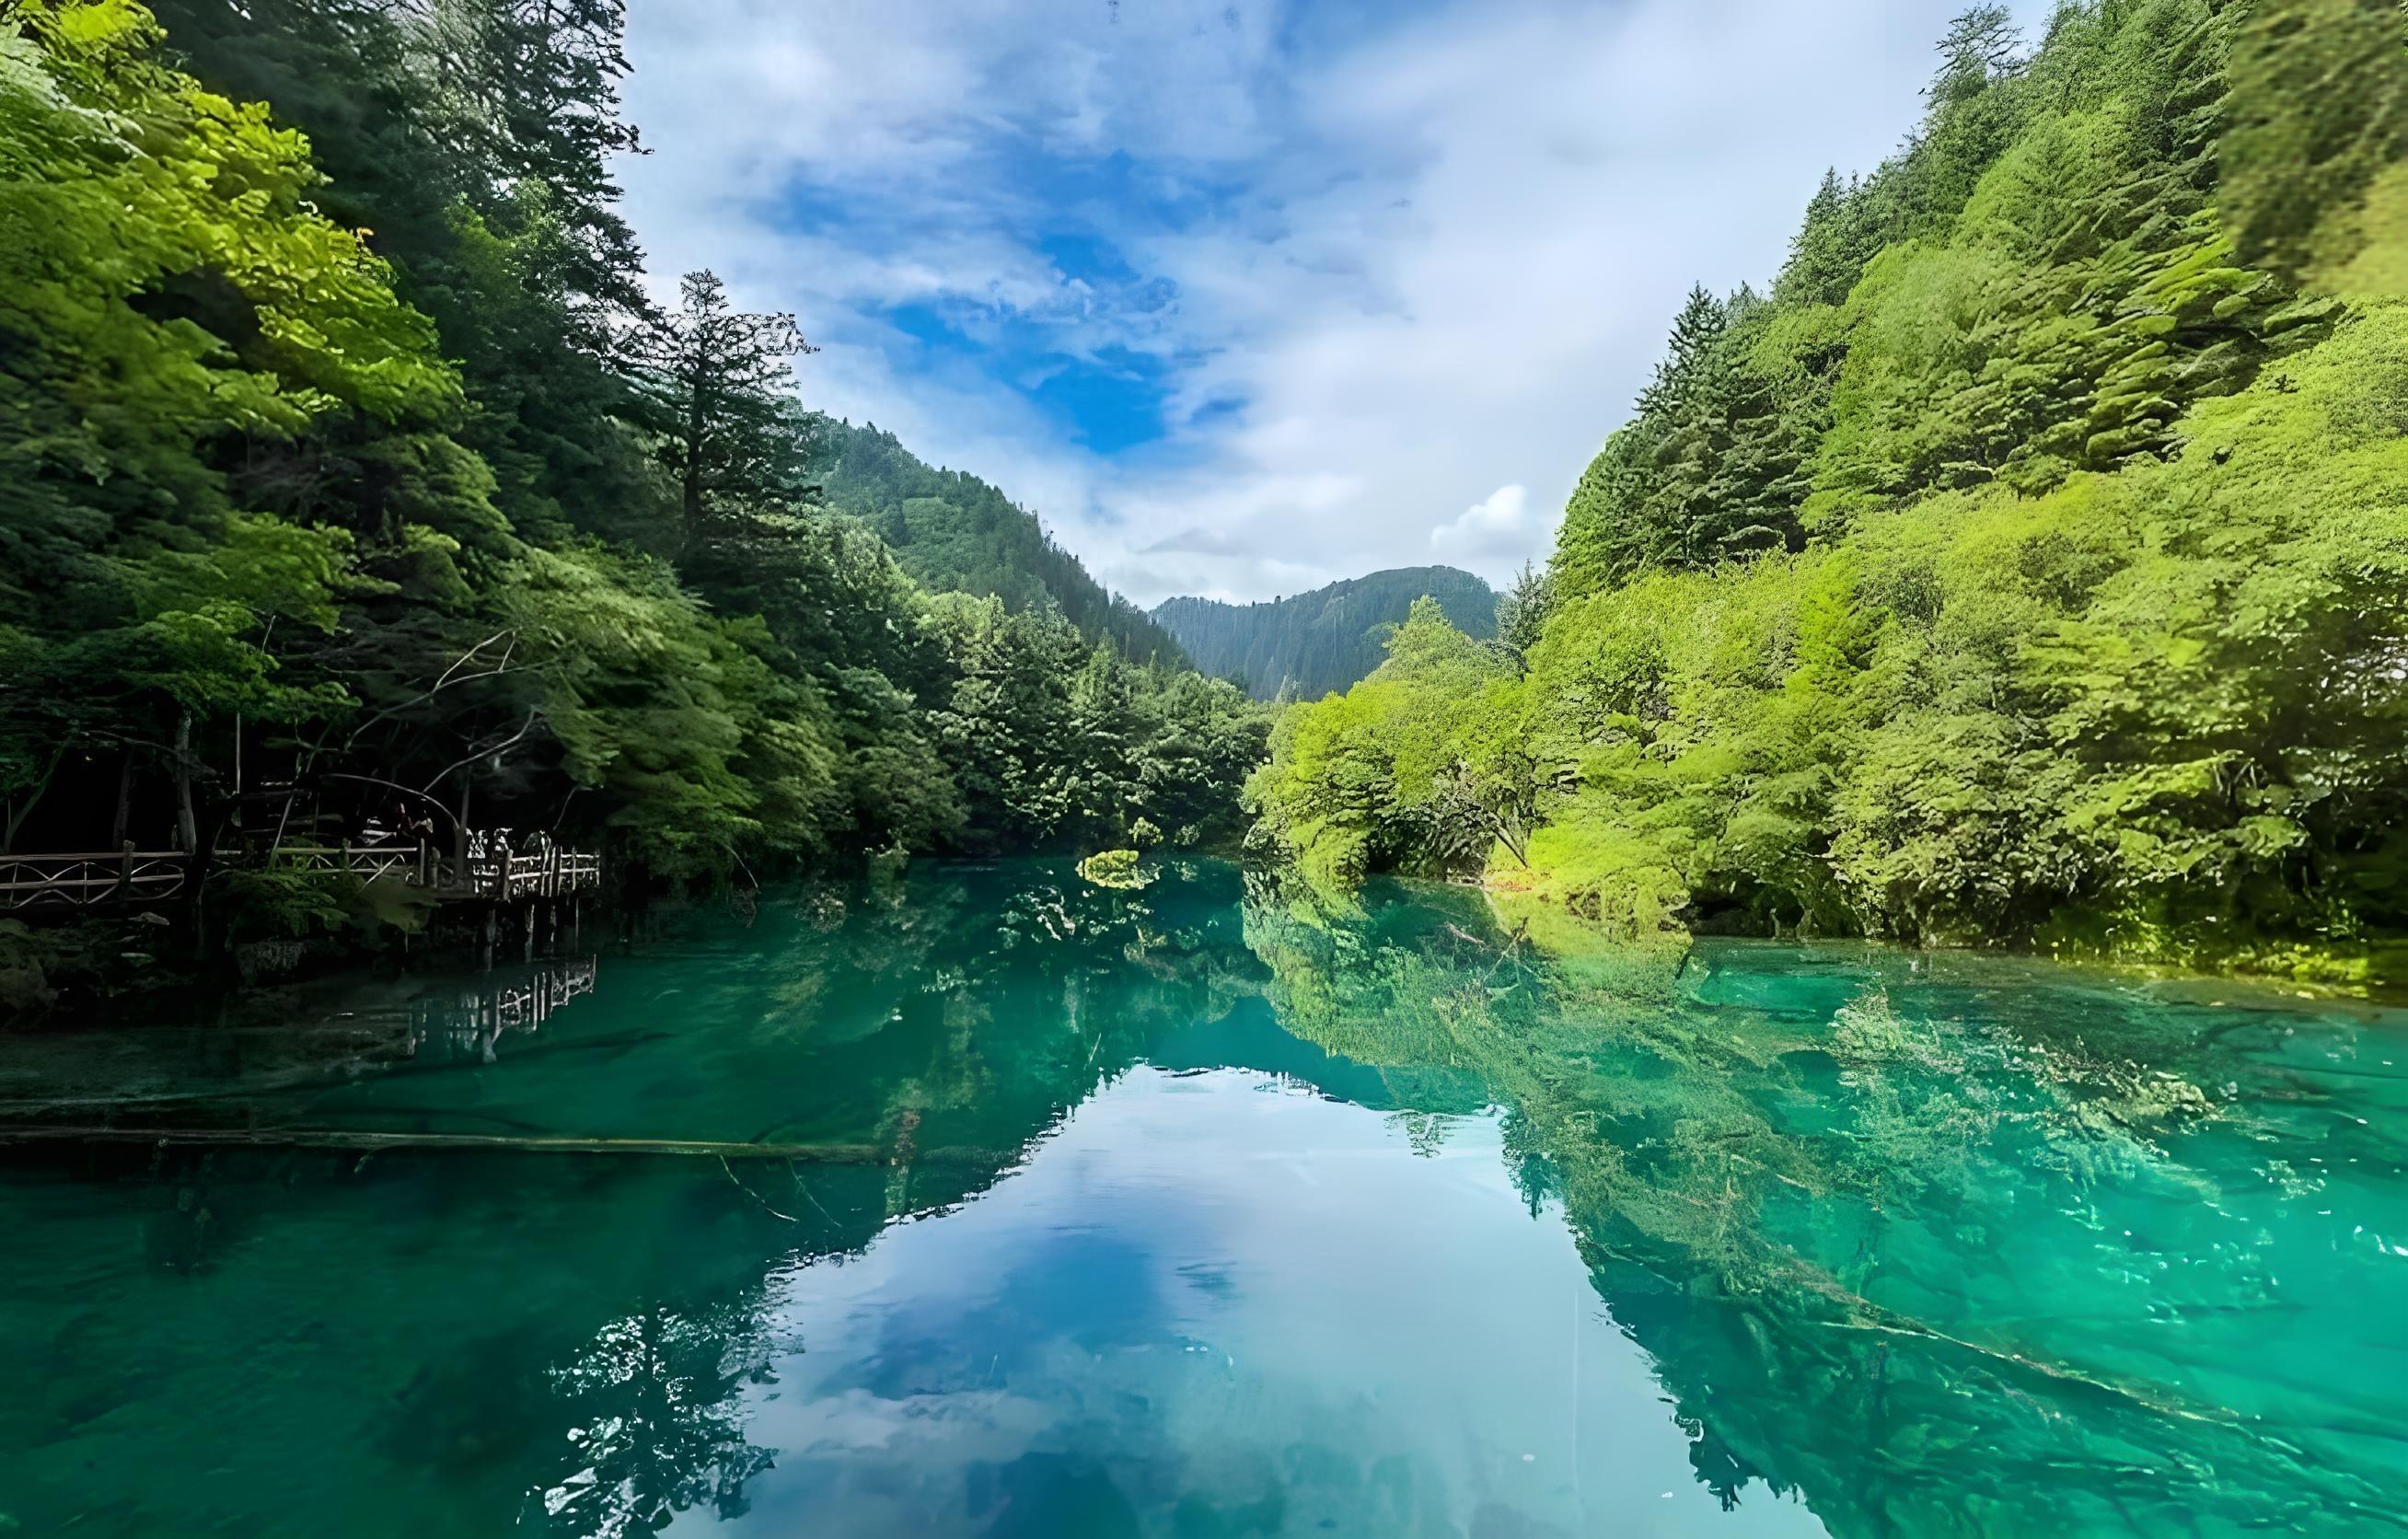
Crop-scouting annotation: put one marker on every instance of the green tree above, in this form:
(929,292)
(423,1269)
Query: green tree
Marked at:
(2062,530)
(1103,790)
(1522,610)
(2318,138)
(716,379)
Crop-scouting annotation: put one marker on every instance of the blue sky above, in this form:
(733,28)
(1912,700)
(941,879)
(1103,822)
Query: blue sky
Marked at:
(1243,295)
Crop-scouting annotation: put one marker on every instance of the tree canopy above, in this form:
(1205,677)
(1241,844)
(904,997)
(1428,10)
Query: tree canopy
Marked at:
(2025,564)
(347,460)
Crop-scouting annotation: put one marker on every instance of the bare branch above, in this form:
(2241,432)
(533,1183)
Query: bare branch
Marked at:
(449,676)
(495,751)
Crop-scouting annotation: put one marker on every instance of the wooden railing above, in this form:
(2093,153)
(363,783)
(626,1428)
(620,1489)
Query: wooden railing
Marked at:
(548,873)
(91,880)
(370,862)
(148,876)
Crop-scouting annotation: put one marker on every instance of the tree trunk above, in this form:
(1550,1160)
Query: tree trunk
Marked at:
(124,803)
(204,924)
(460,827)
(188,833)
(1511,833)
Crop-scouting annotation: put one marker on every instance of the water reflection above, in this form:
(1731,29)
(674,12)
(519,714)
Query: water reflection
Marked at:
(1939,1246)
(563,1339)
(204,1072)
(1929,1245)
(468,1017)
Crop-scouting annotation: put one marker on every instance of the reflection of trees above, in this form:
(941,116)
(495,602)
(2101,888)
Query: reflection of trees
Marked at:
(1823,1211)
(1841,1202)
(571,1339)
(996,1002)
(659,1424)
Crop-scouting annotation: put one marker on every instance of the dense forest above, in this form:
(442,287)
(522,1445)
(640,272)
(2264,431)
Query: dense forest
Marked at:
(347,460)
(1304,645)
(953,533)
(2029,563)
(2024,563)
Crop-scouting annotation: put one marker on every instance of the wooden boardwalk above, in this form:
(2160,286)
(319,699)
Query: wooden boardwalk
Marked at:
(131,877)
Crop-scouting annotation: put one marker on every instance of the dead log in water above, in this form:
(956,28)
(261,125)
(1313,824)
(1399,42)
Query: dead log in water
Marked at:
(374,1143)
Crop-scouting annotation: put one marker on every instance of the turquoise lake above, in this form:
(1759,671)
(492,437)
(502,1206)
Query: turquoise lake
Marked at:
(1213,1208)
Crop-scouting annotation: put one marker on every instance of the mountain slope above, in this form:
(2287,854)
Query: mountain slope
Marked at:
(1324,640)
(955,533)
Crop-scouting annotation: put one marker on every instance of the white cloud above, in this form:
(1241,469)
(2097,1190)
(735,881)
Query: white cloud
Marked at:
(1437,259)
(1196,542)
(1495,535)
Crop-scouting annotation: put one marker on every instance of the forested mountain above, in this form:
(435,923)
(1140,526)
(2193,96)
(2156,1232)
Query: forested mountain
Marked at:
(2029,562)
(953,533)
(344,465)
(1306,644)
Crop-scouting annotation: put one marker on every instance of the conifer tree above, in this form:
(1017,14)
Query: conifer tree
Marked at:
(716,379)
(1522,610)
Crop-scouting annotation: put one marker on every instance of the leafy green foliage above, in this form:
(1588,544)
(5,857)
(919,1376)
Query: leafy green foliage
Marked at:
(2316,157)
(1371,780)
(1522,610)
(392,496)
(2038,285)
(1055,743)
(1112,869)
(2082,625)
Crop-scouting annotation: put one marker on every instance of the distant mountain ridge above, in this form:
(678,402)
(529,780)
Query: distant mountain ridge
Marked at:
(955,533)
(1322,640)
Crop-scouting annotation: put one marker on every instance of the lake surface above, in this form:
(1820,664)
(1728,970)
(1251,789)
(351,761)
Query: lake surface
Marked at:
(1216,1209)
